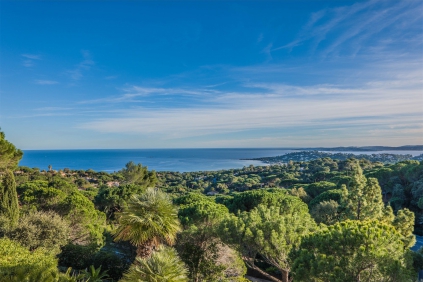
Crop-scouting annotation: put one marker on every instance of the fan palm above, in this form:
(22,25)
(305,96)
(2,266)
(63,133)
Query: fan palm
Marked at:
(162,266)
(94,274)
(150,220)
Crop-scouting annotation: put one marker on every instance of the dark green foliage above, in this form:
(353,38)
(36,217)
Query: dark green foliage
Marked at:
(81,257)
(9,155)
(114,199)
(315,189)
(340,180)
(326,212)
(190,198)
(417,260)
(136,179)
(8,197)
(225,200)
(62,185)
(383,175)
(77,256)
(248,200)
(201,211)
(114,263)
(334,195)
(398,196)
(90,193)
(39,195)
(87,223)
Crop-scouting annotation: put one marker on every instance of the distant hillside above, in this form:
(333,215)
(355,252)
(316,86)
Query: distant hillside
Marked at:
(313,155)
(367,148)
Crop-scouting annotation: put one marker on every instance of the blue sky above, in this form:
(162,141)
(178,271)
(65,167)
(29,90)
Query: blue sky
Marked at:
(184,74)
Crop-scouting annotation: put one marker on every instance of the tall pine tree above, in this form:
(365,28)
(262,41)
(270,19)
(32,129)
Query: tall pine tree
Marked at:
(9,159)
(362,199)
(9,198)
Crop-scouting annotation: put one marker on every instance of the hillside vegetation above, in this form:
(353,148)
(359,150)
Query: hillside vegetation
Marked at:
(319,220)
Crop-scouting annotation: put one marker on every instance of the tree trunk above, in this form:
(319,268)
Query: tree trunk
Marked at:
(285,277)
(267,275)
(145,250)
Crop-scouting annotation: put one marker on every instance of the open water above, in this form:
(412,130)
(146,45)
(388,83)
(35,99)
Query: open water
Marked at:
(182,160)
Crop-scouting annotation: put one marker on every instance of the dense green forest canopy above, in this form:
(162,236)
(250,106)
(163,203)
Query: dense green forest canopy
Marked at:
(298,221)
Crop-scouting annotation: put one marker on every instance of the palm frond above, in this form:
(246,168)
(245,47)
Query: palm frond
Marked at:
(150,217)
(162,266)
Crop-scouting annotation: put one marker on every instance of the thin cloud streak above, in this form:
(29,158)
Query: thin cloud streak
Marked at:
(133,92)
(32,56)
(85,65)
(344,30)
(29,60)
(45,82)
(240,113)
(388,100)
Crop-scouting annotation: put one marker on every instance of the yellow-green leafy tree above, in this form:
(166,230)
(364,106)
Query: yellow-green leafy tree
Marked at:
(352,251)
(18,264)
(269,234)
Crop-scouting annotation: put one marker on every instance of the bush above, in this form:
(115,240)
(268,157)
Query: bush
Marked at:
(18,264)
(41,230)
(77,256)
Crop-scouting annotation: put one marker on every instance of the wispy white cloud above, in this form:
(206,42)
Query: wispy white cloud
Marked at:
(348,30)
(29,59)
(45,82)
(43,109)
(87,62)
(32,56)
(276,107)
(260,38)
(371,103)
(28,63)
(132,92)
(84,65)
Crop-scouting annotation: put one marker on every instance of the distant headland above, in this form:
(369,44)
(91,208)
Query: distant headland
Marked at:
(365,148)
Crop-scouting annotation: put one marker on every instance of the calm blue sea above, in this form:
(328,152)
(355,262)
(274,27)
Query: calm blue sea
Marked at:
(182,160)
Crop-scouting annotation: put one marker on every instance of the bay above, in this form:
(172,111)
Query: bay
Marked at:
(182,160)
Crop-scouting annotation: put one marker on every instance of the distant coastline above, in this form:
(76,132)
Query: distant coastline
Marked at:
(365,148)
(182,160)
(386,158)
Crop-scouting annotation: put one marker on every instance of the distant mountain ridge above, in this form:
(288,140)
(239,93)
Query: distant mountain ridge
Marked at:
(367,148)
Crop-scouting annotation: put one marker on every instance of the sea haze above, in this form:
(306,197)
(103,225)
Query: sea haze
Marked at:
(182,160)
